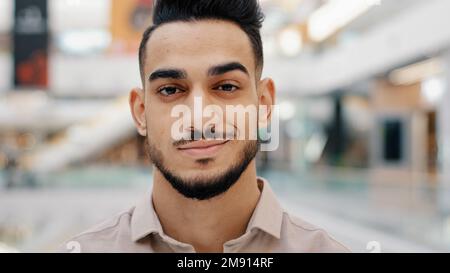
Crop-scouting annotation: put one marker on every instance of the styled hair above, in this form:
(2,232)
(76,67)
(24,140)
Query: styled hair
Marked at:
(246,14)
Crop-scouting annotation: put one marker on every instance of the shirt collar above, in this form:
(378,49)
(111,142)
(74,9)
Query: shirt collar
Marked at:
(267,216)
(144,220)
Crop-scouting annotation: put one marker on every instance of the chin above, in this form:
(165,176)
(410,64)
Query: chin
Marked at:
(199,175)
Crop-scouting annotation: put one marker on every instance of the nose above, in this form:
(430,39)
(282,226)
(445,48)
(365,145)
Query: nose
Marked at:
(202,125)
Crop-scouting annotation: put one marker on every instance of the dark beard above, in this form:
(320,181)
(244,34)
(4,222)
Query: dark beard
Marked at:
(209,187)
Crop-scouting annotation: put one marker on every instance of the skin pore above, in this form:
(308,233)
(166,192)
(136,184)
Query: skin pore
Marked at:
(178,66)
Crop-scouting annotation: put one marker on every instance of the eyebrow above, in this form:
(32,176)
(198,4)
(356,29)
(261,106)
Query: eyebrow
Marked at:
(176,74)
(225,68)
(179,74)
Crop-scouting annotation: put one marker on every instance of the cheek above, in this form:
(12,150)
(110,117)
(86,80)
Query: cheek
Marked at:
(158,114)
(234,152)
(159,128)
(160,136)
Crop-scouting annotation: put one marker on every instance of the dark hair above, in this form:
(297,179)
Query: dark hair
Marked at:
(246,14)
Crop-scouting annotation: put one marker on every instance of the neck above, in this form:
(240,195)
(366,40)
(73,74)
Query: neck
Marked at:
(206,224)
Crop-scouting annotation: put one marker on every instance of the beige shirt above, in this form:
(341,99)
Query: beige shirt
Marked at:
(270,229)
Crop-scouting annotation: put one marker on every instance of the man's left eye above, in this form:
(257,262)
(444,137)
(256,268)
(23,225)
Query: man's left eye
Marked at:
(227,88)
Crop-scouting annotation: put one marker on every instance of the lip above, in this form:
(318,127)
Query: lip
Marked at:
(202,148)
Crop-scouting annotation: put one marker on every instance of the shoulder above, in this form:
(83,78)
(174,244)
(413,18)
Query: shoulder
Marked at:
(102,237)
(308,237)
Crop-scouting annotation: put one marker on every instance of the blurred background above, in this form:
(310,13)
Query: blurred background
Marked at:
(363,87)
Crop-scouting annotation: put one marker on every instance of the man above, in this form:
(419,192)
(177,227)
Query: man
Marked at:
(206,196)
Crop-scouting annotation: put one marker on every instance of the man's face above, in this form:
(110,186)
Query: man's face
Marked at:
(208,60)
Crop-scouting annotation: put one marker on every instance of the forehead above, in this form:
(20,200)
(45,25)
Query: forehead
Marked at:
(198,44)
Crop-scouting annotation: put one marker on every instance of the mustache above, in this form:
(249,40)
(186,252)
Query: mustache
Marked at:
(195,135)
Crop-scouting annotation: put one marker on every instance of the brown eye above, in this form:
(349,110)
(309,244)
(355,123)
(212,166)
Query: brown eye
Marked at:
(227,88)
(169,91)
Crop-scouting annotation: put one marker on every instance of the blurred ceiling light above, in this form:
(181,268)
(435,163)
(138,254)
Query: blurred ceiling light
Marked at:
(334,15)
(287,110)
(416,72)
(433,89)
(84,41)
(290,41)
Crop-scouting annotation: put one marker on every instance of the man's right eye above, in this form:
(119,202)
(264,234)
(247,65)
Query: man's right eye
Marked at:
(169,91)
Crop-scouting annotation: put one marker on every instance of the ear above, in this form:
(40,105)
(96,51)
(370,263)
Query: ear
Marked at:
(137,107)
(266,94)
